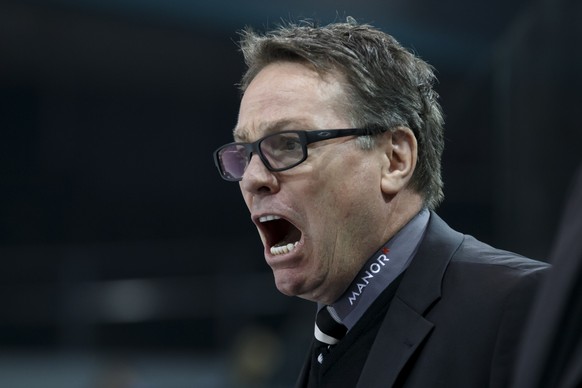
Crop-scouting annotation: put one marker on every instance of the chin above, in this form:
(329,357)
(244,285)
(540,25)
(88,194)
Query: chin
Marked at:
(286,288)
(288,284)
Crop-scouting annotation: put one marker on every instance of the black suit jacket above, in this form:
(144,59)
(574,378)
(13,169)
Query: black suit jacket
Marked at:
(456,318)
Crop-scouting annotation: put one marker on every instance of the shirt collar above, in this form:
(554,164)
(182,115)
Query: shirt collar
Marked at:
(380,270)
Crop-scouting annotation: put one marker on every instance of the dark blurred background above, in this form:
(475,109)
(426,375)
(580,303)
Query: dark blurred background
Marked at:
(126,262)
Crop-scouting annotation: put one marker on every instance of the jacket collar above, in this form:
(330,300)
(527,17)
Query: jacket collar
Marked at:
(405,327)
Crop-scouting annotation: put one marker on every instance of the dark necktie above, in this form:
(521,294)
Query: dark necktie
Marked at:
(328,331)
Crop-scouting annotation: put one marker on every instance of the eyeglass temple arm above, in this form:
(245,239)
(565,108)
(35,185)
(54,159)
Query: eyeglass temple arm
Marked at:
(313,136)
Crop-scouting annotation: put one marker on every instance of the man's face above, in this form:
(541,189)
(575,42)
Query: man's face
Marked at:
(325,210)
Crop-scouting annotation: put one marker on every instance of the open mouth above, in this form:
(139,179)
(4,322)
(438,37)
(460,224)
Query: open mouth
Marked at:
(281,235)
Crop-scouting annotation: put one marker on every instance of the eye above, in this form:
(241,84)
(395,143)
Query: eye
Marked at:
(282,149)
(282,143)
(290,144)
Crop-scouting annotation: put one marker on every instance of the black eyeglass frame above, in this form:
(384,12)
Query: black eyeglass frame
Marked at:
(305,138)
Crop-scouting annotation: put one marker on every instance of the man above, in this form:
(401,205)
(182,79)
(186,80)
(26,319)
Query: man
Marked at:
(338,147)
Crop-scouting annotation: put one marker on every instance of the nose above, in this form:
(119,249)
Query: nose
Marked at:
(257,179)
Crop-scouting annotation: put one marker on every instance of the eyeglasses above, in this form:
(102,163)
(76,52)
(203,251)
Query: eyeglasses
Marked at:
(278,152)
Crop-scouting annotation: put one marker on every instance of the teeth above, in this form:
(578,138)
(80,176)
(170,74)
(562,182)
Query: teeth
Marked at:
(283,249)
(278,250)
(269,218)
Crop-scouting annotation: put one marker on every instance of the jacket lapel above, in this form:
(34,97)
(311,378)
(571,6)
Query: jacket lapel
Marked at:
(404,328)
(305,370)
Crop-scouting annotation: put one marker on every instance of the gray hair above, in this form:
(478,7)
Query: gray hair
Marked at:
(386,85)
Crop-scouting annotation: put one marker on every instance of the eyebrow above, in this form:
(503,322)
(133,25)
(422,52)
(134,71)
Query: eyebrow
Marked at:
(269,128)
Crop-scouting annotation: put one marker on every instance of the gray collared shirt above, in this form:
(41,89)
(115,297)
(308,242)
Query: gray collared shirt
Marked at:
(380,270)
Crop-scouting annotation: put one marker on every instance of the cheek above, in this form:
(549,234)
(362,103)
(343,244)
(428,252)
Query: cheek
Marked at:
(346,214)
(345,199)
(247,198)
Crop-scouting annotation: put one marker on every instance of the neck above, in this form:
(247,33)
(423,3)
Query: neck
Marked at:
(400,210)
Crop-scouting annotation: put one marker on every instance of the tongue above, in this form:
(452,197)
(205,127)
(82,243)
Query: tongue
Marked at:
(292,237)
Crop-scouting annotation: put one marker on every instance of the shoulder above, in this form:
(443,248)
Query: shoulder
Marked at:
(479,269)
(473,252)
(468,252)
(478,272)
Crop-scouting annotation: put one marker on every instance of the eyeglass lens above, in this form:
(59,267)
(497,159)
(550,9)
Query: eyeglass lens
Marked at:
(280,151)
(234,160)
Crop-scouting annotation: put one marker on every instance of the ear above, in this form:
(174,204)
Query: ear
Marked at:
(401,153)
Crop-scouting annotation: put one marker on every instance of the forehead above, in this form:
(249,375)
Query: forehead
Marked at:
(269,127)
(289,95)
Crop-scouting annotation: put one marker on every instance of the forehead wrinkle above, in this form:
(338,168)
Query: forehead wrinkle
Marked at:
(267,128)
